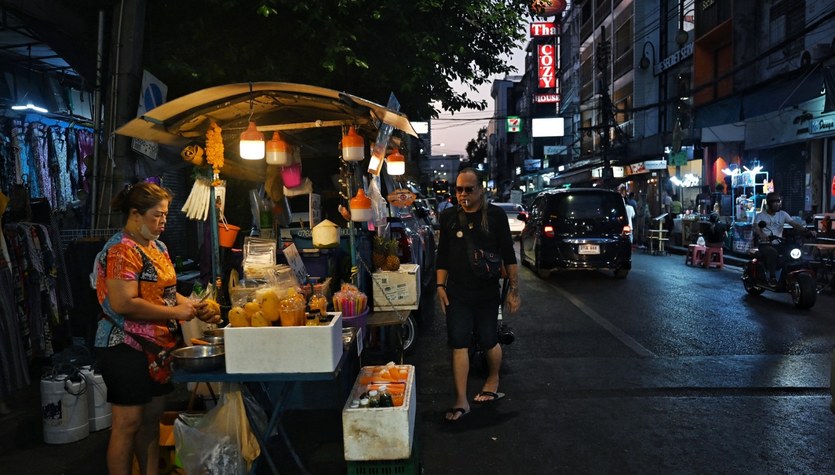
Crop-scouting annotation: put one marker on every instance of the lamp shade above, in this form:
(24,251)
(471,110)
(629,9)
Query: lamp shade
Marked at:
(396,163)
(252,143)
(277,153)
(360,207)
(353,146)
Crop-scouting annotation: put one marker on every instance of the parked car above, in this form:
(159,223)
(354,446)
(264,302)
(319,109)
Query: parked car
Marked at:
(512,210)
(577,228)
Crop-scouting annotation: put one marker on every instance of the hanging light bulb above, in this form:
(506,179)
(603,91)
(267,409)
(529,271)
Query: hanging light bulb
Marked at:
(353,146)
(252,143)
(396,163)
(277,153)
(360,207)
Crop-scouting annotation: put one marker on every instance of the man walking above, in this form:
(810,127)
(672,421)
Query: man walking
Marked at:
(469,299)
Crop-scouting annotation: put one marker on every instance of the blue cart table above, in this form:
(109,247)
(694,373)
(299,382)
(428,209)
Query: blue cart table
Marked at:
(272,391)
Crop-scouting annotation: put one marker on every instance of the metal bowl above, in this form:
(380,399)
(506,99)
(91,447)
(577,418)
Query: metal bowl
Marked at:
(213,340)
(199,358)
(215,332)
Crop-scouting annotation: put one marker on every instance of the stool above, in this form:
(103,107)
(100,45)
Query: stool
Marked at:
(695,255)
(714,257)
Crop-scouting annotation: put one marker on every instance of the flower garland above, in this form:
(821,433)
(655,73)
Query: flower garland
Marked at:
(214,151)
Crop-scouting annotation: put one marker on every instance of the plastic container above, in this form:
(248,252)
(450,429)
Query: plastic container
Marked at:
(64,409)
(98,409)
(226,237)
(292,175)
(358,321)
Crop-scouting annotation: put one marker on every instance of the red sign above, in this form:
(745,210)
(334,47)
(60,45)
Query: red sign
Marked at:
(546,98)
(547,66)
(540,29)
(547,8)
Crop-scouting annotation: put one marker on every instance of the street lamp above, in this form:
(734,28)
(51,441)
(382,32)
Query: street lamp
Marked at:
(646,62)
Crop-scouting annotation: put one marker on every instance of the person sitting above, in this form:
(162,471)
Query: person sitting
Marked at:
(716,232)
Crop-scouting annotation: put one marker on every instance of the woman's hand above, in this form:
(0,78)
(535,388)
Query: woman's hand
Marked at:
(208,313)
(185,310)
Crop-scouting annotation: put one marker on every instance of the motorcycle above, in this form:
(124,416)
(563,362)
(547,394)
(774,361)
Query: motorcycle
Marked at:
(795,275)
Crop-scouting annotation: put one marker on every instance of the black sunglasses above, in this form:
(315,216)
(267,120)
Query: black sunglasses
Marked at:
(461,189)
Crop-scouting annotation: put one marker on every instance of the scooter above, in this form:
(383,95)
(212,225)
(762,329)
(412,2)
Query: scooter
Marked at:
(795,275)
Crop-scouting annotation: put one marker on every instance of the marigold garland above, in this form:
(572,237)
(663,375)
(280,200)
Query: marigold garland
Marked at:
(214,151)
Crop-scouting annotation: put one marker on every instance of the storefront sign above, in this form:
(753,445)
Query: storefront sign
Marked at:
(678,158)
(547,66)
(542,29)
(655,164)
(819,126)
(554,149)
(547,98)
(514,124)
(675,58)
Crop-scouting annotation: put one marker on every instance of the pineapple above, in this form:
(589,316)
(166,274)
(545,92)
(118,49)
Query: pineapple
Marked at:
(392,261)
(378,255)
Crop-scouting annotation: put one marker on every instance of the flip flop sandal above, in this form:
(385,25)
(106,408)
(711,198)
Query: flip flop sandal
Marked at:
(493,397)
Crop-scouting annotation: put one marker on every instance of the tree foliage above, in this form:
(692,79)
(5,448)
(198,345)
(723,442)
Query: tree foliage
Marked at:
(417,49)
(477,148)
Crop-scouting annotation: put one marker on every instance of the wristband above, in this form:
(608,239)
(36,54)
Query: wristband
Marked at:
(441,286)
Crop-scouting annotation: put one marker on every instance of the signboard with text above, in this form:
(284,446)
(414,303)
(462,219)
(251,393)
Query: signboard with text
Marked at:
(543,29)
(547,62)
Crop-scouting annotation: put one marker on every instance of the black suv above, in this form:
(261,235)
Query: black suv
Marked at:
(580,228)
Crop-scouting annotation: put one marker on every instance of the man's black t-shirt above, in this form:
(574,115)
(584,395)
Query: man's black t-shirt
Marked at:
(452,247)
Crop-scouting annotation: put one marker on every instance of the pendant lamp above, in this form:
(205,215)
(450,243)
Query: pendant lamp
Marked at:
(252,143)
(396,163)
(360,207)
(353,146)
(277,153)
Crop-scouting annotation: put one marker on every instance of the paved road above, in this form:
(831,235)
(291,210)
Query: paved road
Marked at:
(672,370)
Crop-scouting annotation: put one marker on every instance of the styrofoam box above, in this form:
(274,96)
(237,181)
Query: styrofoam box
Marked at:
(379,433)
(397,290)
(256,350)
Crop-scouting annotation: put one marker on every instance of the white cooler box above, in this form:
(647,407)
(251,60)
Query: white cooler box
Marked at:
(397,290)
(380,433)
(257,350)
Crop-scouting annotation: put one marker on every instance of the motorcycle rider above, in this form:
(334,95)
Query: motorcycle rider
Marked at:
(774,218)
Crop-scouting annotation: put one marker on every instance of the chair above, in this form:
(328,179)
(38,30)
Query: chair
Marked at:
(714,257)
(695,255)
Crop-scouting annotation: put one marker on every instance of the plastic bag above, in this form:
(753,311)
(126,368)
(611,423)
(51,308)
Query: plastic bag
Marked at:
(219,443)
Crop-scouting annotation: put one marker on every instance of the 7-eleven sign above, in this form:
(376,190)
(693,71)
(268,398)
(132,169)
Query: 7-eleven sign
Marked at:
(514,124)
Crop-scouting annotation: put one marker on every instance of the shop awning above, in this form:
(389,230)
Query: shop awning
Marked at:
(290,108)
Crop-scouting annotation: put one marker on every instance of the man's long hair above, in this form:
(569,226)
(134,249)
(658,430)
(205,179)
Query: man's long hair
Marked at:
(485,226)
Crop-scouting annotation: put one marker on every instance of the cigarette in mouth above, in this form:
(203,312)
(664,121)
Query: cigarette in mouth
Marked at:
(465,202)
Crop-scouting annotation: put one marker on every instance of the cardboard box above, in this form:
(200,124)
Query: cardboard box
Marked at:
(379,433)
(257,350)
(397,290)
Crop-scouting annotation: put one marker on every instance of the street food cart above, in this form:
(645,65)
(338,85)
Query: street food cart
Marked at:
(279,353)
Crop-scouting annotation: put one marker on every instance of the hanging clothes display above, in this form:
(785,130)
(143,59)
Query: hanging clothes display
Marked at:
(59,168)
(39,162)
(14,373)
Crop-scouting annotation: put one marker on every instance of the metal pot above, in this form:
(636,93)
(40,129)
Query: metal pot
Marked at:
(210,340)
(215,332)
(199,358)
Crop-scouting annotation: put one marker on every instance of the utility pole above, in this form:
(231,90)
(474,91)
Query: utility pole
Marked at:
(604,49)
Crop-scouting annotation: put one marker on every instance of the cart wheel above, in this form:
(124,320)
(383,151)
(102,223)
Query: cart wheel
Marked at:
(409,334)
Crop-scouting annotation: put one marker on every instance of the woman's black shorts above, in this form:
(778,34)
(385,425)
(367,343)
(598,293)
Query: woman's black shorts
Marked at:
(125,373)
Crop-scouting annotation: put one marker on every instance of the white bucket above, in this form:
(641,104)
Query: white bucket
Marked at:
(64,409)
(98,409)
